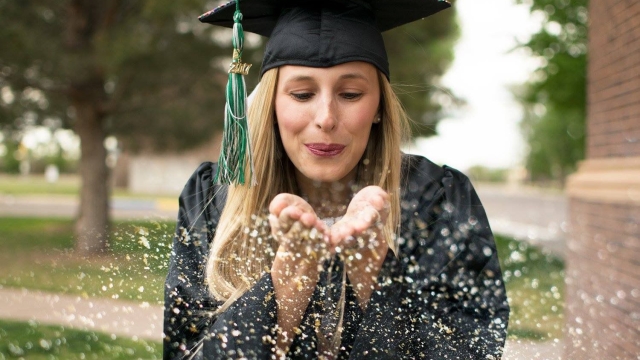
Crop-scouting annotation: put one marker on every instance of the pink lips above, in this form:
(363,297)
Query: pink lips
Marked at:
(319,149)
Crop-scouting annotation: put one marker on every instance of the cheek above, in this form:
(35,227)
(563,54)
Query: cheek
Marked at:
(290,121)
(361,121)
(290,124)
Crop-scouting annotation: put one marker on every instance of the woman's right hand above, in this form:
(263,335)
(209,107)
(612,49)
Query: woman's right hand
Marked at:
(296,227)
(301,235)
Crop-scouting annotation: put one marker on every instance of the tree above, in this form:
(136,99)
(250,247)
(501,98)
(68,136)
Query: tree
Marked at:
(419,54)
(554,99)
(144,70)
(148,72)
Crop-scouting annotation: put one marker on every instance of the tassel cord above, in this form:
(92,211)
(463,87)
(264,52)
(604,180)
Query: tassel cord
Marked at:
(236,148)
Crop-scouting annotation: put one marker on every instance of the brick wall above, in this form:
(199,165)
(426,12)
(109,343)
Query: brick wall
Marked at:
(603,281)
(614,79)
(603,254)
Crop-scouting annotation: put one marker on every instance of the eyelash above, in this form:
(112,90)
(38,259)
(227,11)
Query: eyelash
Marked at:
(302,96)
(307,96)
(351,96)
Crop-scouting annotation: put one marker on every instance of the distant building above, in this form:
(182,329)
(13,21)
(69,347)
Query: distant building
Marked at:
(603,254)
(165,173)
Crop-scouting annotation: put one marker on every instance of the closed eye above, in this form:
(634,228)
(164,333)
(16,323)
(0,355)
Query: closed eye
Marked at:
(351,96)
(302,96)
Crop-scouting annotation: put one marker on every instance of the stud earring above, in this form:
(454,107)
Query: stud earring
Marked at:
(377,119)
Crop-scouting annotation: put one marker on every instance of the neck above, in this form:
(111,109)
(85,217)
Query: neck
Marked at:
(328,199)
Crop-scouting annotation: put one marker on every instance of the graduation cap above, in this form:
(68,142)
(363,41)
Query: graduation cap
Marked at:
(315,33)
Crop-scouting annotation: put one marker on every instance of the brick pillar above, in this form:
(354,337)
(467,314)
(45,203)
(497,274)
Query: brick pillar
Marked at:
(603,254)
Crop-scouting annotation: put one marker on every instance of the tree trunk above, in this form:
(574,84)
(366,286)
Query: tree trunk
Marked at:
(87,96)
(92,225)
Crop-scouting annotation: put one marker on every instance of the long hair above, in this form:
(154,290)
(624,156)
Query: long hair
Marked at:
(243,248)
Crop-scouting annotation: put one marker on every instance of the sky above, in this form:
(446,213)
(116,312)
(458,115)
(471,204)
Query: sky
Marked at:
(486,130)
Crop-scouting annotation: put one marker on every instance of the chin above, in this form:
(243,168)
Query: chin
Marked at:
(325,175)
(325,178)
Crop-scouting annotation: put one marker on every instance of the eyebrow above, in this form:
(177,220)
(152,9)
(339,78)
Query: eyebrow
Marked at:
(353,76)
(300,78)
(342,77)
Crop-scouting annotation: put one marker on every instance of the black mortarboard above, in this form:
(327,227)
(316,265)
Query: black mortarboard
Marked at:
(323,33)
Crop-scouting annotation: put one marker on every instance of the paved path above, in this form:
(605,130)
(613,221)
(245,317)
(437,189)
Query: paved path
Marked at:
(533,215)
(144,321)
(122,318)
(529,350)
(67,206)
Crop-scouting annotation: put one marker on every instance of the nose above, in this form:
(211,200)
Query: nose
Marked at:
(326,119)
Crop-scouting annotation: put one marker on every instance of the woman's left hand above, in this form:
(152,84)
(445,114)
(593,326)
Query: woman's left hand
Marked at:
(358,235)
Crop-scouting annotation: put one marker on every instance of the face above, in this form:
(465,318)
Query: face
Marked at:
(324,116)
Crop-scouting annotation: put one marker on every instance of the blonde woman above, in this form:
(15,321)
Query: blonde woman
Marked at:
(345,249)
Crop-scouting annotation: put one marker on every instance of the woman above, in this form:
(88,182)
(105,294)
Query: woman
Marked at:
(346,248)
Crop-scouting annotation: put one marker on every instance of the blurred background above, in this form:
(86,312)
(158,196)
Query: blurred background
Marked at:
(106,108)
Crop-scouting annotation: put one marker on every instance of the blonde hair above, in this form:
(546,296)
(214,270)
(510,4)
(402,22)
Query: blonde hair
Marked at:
(242,233)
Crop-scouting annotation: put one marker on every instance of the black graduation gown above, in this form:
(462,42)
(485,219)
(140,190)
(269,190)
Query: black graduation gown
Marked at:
(442,297)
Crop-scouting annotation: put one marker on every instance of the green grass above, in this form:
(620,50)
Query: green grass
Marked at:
(37,185)
(29,234)
(37,254)
(535,287)
(18,185)
(19,340)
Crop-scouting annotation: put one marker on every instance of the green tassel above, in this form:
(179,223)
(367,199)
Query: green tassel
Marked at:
(236,147)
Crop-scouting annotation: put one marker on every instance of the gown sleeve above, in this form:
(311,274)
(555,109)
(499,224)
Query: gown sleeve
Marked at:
(442,297)
(192,330)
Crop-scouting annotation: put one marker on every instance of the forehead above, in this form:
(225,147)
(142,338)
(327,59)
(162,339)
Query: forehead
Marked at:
(351,70)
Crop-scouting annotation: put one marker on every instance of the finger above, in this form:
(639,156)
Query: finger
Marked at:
(308,219)
(322,228)
(373,195)
(295,230)
(318,230)
(281,231)
(288,216)
(274,223)
(280,202)
(339,232)
(366,219)
(383,206)
(377,201)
